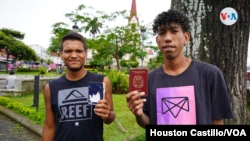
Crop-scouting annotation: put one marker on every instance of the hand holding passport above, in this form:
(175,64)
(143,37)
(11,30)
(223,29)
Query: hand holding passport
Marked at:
(138,80)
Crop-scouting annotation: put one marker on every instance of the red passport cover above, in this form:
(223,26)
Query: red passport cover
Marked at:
(138,80)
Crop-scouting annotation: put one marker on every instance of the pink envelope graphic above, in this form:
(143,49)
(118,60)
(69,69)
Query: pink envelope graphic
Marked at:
(175,105)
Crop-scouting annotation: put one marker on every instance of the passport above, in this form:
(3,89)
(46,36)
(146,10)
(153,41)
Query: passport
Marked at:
(138,80)
(96,91)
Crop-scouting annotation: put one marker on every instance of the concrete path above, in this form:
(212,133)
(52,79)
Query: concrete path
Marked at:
(21,120)
(2,83)
(12,131)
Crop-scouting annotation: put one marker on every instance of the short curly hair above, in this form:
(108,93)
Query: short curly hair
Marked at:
(171,16)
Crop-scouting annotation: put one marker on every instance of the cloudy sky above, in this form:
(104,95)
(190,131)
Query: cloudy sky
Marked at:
(35,17)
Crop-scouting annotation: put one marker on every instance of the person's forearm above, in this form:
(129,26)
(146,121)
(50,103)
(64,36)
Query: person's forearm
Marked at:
(110,118)
(48,134)
(218,122)
(143,120)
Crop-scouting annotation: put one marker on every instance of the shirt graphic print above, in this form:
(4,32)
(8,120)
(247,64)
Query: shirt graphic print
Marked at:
(176,105)
(74,104)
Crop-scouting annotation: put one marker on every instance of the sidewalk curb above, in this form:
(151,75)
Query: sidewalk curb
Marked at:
(22,120)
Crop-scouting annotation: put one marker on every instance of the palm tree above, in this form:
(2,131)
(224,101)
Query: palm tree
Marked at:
(93,26)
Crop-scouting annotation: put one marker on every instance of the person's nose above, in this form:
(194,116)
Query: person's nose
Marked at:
(168,37)
(74,54)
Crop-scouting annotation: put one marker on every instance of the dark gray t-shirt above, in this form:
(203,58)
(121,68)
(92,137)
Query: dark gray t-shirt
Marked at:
(74,115)
(196,96)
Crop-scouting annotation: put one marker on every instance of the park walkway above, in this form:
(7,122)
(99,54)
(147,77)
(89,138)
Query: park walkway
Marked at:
(12,131)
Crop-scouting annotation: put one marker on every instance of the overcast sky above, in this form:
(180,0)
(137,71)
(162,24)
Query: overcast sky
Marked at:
(35,17)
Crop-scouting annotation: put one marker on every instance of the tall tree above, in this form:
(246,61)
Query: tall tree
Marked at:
(116,43)
(225,46)
(120,40)
(91,21)
(10,40)
(59,29)
(93,26)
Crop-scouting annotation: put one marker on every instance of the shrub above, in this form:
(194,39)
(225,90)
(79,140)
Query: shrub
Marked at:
(42,70)
(119,81)
(4,101)
(27,70)
(21,109)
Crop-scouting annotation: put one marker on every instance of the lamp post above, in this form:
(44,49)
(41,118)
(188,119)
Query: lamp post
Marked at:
(75,27)
(7,58)
(143,31)
(18,63)
(57,52)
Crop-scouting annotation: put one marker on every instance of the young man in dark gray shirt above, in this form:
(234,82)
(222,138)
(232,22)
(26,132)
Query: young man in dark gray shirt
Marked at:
(182,90)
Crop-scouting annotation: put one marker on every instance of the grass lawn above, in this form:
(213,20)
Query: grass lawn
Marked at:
(112,132)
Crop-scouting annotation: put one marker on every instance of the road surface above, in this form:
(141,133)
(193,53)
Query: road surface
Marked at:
(12,131)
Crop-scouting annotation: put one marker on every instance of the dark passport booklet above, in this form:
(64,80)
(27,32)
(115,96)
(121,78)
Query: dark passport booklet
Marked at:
(138,80)
(96,91)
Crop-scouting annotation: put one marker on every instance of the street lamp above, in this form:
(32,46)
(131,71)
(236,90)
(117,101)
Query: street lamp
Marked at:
(57,52)
(75,27)
(7,58)
(143,31)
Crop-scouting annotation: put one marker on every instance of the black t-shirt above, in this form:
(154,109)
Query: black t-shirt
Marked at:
(74,116)
(196,96)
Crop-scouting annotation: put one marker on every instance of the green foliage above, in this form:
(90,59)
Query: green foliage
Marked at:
(4,101)
(58,31)
(49,61)
(21,109)
(129,63)
(155,62)
(27,70)
(13,33)
(100,61)
(133,27)
(112,43)
(124,63)
(93,70)
(134,64)
(119,81)
(9,40)
(42,70)
(93,26)
(90,22)
(116,43)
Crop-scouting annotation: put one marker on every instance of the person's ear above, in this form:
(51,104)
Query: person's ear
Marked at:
(157,41)
(61,54)
(186,38)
